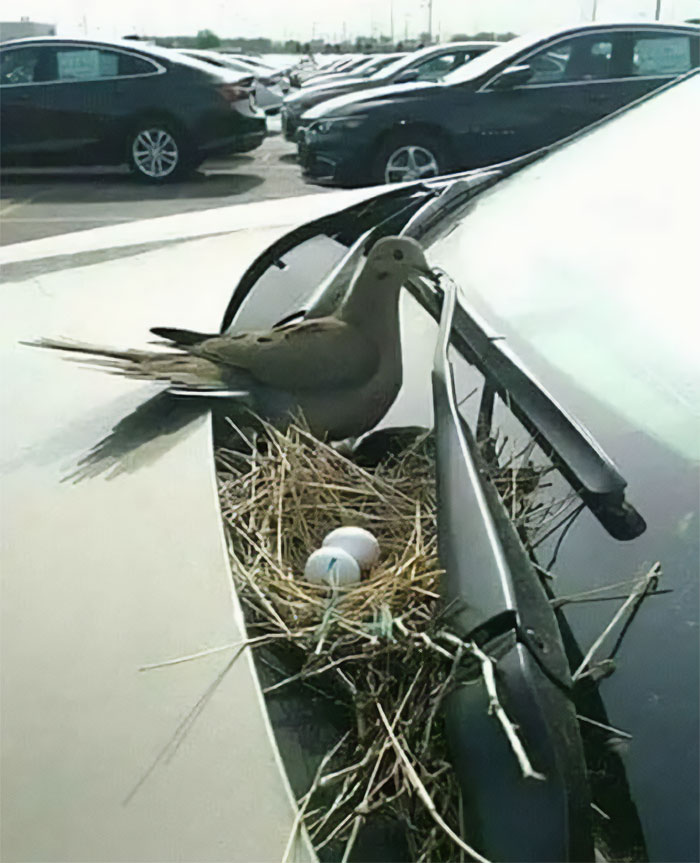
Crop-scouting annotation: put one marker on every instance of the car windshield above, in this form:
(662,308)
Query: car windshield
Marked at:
(601,293)
(490,59)
(367,66)
(400,64)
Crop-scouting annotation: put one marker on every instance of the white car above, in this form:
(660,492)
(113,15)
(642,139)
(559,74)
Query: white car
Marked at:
(270,84)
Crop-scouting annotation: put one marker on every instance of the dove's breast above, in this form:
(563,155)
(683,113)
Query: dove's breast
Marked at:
(344,412)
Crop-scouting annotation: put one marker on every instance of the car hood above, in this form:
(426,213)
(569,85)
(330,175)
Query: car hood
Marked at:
(113,559)
(332,82)
(366,97)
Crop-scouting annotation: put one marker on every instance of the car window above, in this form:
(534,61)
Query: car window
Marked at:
(85,64)
(20,66)
(659,54)
(586,58)
(130,65)
(435,67)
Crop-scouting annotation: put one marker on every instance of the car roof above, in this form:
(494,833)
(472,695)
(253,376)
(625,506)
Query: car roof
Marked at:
(505,50)
(155,52)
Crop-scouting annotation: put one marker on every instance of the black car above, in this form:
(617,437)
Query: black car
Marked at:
(523,95)
(365,70)
(344,64)
(76,101)
(428,64)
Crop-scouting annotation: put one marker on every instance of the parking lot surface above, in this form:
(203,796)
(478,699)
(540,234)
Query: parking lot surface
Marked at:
(46,202)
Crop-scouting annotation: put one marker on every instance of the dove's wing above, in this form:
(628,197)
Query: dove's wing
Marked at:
(311,354)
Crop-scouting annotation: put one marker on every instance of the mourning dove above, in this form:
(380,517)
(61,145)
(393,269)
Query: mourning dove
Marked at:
(343,371)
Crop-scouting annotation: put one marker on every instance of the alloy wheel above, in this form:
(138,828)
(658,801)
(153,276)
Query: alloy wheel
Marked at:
(410,162)
(155,153)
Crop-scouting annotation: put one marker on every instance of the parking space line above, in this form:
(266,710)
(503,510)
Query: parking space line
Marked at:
(22,203)
(73,219)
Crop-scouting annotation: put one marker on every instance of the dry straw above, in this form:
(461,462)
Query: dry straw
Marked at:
(375,646)
(381,648)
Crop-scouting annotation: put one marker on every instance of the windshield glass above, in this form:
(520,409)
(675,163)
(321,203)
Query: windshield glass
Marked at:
(390,70)
(592,273)
(491,58)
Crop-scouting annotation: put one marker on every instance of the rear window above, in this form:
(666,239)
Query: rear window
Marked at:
(661,55)
(130,65)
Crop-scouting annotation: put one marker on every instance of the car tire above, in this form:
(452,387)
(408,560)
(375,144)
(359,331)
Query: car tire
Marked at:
(409,156)
(157,153)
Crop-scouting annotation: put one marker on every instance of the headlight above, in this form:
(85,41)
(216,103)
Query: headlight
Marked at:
(336,124)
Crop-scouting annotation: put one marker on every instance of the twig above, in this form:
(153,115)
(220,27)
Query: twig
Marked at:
(636,593)
(298,818)
(495,706)
(247,642)
(618,732)
(600,812)
(420,789)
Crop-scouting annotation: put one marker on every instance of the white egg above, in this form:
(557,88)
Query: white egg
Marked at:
(358,542)
(331,565)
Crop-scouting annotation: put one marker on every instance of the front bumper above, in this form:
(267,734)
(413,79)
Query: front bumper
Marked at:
(233,144)
(290,124)
(333,161)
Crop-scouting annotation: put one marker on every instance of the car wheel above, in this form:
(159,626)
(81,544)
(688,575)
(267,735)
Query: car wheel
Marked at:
(410,157)
(157,154)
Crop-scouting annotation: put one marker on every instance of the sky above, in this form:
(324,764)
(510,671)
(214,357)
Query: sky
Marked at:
(329,19)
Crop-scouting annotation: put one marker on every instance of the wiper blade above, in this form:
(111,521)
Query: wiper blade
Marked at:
(576,453)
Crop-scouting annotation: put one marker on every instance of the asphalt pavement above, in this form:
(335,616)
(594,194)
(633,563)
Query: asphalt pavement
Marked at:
(46,202)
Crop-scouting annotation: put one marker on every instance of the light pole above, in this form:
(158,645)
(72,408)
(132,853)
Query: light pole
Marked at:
(658,9)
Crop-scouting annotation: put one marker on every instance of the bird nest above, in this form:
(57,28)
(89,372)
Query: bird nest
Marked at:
(379,648)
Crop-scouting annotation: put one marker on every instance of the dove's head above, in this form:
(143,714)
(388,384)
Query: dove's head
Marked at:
(400,257)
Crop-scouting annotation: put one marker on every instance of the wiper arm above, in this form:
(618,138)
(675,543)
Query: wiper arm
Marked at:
(494,597)
(576,453)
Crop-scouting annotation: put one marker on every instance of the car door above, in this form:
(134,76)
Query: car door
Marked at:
(647,60)
(94,89)
(540,98)
(22,101)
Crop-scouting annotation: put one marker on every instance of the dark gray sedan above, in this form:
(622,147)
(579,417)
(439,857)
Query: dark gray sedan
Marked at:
(428,64)
(525,94)
(79,101)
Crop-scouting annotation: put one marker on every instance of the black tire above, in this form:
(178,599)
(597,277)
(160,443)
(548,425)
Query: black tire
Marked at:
(158,153)
(409,156)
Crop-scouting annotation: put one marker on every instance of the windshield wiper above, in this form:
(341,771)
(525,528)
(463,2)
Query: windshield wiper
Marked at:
(494,597)
(575,452)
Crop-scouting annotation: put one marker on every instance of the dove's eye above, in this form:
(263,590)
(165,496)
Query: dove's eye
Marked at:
(398,255)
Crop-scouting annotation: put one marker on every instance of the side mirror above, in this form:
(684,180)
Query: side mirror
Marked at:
(513,76)
(407,75)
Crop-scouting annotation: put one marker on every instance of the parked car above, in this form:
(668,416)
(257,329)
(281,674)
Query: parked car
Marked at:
(429,64)
(576,326)
(270,86)
(257,62)
(527,93)
(343,64)
(365,70)
(79,101)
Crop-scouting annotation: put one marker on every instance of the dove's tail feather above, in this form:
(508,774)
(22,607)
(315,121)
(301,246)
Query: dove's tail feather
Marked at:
(180,369)
(182,337)
(74,346)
